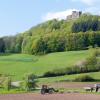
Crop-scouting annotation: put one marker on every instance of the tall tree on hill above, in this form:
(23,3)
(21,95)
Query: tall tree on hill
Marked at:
(2,45)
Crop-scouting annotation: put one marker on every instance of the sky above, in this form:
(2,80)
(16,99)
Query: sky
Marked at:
(17,16)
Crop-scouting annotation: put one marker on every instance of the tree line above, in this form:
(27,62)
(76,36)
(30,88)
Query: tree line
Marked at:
(50,43)
(55,36)
(86,23)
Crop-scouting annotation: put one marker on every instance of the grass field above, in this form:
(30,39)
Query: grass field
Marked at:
(20,64)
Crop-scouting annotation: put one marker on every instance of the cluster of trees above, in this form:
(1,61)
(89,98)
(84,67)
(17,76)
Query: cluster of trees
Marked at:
(55,36)
(2,45)
(48,44)
(68,42)
(11,44)
(86,23)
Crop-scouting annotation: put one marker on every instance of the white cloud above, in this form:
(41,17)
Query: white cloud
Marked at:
(93,6)
(88,2)
(57,15)
(93,10)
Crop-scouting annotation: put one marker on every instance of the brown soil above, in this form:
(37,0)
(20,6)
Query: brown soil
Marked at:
(31,96)
(72,85)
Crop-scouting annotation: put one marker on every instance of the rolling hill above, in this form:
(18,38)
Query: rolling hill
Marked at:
(20,64)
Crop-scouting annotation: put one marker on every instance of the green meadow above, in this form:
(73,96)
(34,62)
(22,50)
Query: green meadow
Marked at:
(17,65)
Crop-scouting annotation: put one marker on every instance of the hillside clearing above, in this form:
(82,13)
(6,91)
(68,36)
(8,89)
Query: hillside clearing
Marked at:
(19,64)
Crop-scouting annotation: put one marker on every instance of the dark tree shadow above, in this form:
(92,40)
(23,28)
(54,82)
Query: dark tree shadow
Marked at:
(5,54)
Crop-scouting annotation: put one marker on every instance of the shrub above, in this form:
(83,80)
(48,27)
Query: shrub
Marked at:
(56,72)
(84,78)
(7,83)
(30,82)
(97,52)
(72,70)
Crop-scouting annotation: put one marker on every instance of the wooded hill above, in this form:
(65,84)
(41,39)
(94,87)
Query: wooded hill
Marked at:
(55,36)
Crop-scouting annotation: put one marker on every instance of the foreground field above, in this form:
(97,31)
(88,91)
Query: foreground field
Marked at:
(70,96)
(20,64)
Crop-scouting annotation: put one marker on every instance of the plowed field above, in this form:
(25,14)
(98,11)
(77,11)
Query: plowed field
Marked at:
(67,96)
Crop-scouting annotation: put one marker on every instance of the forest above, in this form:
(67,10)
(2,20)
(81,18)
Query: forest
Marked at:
(55,36)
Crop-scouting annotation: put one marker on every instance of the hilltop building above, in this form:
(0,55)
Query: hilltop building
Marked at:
(74,15)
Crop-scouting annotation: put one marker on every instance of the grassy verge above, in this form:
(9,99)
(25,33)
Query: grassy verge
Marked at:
(68,78)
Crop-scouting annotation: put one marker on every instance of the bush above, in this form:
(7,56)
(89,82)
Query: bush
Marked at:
(7,83)
(84,78)
(30,82)
(97,52)
(56,72)
(72,70)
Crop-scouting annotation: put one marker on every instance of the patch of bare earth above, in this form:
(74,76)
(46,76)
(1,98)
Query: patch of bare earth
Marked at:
(72,85)
(32,96)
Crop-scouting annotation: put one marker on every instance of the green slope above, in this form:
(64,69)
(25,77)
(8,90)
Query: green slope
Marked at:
(19,64)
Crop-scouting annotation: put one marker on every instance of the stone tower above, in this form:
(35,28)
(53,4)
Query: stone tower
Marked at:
(75,15)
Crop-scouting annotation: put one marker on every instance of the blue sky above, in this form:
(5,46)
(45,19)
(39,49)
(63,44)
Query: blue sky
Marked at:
(19,15)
